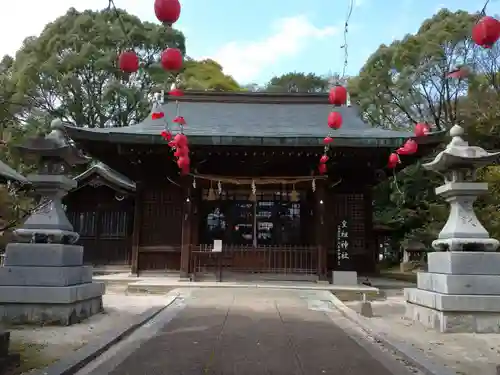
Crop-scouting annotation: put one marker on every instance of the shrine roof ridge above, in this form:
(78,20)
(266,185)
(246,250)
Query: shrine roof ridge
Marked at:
(249,97)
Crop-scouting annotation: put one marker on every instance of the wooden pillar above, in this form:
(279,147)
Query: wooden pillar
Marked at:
(320,203)
(370,240)
(136,232)
(186,229)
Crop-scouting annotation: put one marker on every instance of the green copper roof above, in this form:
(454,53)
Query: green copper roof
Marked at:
(243,120)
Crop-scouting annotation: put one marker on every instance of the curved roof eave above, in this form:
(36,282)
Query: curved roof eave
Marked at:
(375,138)
(10,174)
(109,175)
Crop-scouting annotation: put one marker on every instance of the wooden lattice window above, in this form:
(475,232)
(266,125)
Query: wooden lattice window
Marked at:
(238,218)
(84,223)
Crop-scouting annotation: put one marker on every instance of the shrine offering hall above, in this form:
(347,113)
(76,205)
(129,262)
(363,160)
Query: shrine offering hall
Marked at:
(253,193)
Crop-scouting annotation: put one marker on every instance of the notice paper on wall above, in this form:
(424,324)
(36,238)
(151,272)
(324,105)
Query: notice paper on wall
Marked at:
(217,246)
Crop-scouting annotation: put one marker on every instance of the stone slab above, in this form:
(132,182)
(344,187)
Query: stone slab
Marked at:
(344,278)
(45,276)
(43,255)
(464,263)
(50,294)
(459,284)
(452,302)
(454,322)
(50,314)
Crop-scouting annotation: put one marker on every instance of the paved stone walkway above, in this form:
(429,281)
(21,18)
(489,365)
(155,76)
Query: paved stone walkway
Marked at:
(250,332)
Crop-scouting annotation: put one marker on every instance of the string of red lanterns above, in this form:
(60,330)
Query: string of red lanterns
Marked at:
(171,60)
(337,97)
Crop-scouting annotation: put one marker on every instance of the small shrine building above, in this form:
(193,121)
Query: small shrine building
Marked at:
(254,188)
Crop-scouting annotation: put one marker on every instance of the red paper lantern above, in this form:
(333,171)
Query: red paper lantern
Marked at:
(322,169)
(157,115)
(461,72)
(181,152)
(183,162)
(180,140)
(338,95)
(393,161)
(421,129)
(409,148)
(171,144)
(167,11)
(327,140)
(171,59)
(486,32)
(166,135)
(335,120)
(176,92)
(324,159)
(180,120)
(128,62)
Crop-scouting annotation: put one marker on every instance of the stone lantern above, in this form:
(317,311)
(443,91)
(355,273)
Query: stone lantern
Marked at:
(461,290)
(43,279)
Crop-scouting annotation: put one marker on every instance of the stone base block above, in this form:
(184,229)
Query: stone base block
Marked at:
(43,255)
(344,278)
(459,284)
(50,294)
(464,263)
(454,322)
(45,276)
(453,302)
(50,314)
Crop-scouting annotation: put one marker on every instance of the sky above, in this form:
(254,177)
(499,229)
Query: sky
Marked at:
(258,39)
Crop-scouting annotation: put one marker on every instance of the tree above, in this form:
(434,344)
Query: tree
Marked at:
(70,71)
(406,82)
(207,75)
(298,82)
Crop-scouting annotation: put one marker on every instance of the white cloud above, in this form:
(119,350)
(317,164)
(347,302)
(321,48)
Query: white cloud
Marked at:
(246,60)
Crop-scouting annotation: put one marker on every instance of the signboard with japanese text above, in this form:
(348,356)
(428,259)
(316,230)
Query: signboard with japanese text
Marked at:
(342,248)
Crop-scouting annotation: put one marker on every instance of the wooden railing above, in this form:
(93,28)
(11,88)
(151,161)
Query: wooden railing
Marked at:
(282,259)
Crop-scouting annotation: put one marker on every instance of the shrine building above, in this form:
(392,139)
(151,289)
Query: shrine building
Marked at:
(254,191)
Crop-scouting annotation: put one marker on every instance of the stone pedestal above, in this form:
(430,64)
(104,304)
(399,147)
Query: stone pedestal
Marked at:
(47,283)
(345,278)
(459,293)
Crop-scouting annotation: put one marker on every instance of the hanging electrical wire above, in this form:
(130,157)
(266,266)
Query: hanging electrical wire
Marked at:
(346,32)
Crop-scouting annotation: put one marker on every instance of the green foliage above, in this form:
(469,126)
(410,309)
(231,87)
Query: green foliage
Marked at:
(298,82)
(207,75)
(406,82)
(70,71)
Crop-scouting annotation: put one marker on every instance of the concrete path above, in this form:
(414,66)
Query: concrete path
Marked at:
(246,332)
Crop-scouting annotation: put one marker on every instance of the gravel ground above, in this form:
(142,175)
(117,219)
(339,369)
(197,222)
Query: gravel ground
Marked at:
(468,354)
(49,344)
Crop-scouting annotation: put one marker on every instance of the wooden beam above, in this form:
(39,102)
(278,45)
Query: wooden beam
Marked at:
(136,234)
(320,203)
(186,228)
